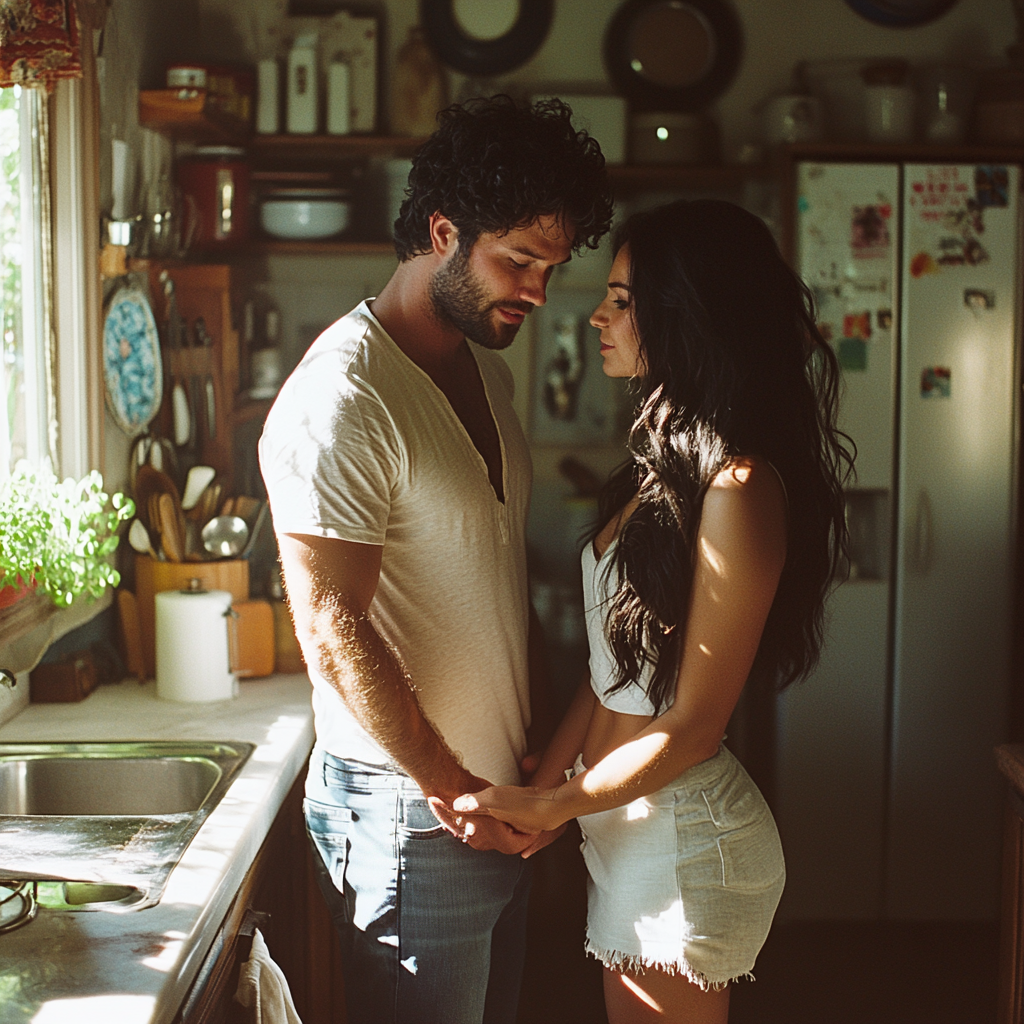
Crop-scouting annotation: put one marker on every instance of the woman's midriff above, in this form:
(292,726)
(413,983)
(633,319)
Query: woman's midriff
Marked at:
(608,730)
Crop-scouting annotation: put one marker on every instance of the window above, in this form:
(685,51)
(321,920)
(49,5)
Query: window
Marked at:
(49,310)
(25,399)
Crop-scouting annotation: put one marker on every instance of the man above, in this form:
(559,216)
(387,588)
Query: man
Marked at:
(399,479)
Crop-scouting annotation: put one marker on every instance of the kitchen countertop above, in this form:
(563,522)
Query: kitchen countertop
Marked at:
(137,967)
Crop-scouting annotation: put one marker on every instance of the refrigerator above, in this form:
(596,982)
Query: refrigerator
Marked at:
(887,796)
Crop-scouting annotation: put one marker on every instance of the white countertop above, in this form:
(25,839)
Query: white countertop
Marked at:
(137,967)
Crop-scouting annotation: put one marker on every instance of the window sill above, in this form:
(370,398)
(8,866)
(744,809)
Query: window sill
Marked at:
(30,626)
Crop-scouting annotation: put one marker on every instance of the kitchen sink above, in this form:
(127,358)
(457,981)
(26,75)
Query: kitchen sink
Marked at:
(139,779)
(111,819)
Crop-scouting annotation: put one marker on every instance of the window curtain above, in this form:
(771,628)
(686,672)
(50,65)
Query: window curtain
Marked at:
(39,42)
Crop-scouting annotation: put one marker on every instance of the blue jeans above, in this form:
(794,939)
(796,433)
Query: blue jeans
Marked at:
(431,930)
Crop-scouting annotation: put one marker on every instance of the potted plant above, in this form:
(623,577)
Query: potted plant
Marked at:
(58,536)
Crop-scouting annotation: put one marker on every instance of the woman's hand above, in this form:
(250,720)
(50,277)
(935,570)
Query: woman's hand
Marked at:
(526,808)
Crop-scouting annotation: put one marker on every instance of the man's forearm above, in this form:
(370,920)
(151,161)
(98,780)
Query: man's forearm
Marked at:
(374,686)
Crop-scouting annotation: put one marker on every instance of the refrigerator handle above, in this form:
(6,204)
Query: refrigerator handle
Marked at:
(923,548)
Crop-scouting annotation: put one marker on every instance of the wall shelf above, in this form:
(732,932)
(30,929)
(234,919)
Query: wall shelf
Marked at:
(332,146)
(316,247)
(628,179)
(190,115)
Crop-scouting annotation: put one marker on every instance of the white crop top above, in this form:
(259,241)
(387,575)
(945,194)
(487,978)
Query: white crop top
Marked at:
(598,587)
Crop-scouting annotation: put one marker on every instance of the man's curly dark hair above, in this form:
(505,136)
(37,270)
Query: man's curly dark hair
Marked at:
(494,165)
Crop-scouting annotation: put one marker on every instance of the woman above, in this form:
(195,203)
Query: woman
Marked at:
(718,542)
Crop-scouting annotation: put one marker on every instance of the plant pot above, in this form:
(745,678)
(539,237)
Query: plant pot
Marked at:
(13,594)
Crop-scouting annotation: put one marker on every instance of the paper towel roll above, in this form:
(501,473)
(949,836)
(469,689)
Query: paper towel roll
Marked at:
(192,660)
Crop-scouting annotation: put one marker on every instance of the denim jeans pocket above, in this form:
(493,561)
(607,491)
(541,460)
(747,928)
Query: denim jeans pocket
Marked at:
(329,827)
(418,821)
(752,855)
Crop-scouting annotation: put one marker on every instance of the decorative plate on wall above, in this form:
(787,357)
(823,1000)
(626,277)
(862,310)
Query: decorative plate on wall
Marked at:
(673,54)
(486,38)
(131,360)
(901,13)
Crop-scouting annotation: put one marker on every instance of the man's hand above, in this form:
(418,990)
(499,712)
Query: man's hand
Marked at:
(526,808)
(542,840)
(480,831)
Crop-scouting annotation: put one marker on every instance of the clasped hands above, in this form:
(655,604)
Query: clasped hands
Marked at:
(512,819)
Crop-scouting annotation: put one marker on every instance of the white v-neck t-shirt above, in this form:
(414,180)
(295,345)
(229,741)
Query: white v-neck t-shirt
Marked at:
(362,446)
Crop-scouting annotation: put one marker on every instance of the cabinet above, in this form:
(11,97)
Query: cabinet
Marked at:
(280,897)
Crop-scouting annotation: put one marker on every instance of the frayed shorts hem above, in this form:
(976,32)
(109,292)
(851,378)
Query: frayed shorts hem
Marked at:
(631,963)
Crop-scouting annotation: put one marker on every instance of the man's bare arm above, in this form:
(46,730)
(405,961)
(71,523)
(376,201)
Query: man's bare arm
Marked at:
(330,584)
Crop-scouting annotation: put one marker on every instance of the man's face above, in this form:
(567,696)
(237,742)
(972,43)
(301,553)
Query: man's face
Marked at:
(487,292)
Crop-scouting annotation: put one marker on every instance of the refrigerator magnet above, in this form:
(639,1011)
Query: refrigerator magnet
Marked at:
(936,382)
(991,186)
(884,319)
(857,325)
(922,264)
(977,299)
(869,231)
(853,354)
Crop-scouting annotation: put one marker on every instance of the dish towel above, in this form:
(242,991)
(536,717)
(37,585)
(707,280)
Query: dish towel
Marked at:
(263,988)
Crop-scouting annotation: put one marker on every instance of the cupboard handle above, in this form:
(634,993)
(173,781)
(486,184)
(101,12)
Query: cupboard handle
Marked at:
(923,545)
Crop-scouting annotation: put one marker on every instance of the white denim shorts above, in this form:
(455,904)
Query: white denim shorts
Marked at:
(685,880)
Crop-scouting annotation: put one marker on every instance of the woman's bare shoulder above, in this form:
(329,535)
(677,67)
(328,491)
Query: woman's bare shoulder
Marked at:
(747,495)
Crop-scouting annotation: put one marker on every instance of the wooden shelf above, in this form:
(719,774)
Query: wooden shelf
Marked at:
(333,146)
(911,152)
(316,247)
(189,115)
(627,179)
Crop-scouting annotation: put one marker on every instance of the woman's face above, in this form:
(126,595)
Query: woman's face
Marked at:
(620,346)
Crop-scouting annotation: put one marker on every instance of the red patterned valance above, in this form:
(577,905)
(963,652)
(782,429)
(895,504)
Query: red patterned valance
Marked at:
(39,42)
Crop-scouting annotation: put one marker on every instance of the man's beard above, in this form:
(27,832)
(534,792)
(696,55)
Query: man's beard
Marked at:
(458,299)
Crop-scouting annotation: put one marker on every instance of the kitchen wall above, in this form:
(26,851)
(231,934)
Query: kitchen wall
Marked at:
(312,291)
(142,35)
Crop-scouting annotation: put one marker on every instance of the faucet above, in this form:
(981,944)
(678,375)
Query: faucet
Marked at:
(7,679)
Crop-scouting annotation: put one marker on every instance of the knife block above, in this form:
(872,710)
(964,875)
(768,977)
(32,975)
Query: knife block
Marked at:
(152,577)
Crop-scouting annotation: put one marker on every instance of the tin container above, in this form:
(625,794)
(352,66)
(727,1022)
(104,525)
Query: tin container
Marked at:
(216,178)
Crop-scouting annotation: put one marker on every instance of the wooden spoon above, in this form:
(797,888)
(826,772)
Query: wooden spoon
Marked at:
(131,634)
(172,532)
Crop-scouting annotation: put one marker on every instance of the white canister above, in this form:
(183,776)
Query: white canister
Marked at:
(193,661)
(268,97)
(889,113)
(339,102)
(303,114)
(792,117)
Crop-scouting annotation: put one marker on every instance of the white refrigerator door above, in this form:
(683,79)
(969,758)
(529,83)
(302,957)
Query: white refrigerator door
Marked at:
(960,281)
(831,729)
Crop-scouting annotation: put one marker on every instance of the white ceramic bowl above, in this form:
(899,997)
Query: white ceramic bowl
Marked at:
(304,215)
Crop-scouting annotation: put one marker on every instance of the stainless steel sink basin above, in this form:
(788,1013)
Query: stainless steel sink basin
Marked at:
(108,814)
(116,778)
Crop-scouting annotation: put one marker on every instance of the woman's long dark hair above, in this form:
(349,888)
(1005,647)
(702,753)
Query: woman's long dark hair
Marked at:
(733,365)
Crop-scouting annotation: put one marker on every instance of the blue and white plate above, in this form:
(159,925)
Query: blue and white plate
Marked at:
(131,361)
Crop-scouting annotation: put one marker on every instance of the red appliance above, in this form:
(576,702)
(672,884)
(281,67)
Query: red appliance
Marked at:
(217,179)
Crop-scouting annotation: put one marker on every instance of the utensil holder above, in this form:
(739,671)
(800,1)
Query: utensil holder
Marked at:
(152,578)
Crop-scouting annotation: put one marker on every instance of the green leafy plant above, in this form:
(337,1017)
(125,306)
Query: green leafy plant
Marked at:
(59,536)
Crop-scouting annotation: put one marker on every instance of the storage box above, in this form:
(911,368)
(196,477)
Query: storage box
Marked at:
(66,681)
(152,577)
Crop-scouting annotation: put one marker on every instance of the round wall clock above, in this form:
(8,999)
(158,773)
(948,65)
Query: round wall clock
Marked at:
(486,38)
(131,360)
